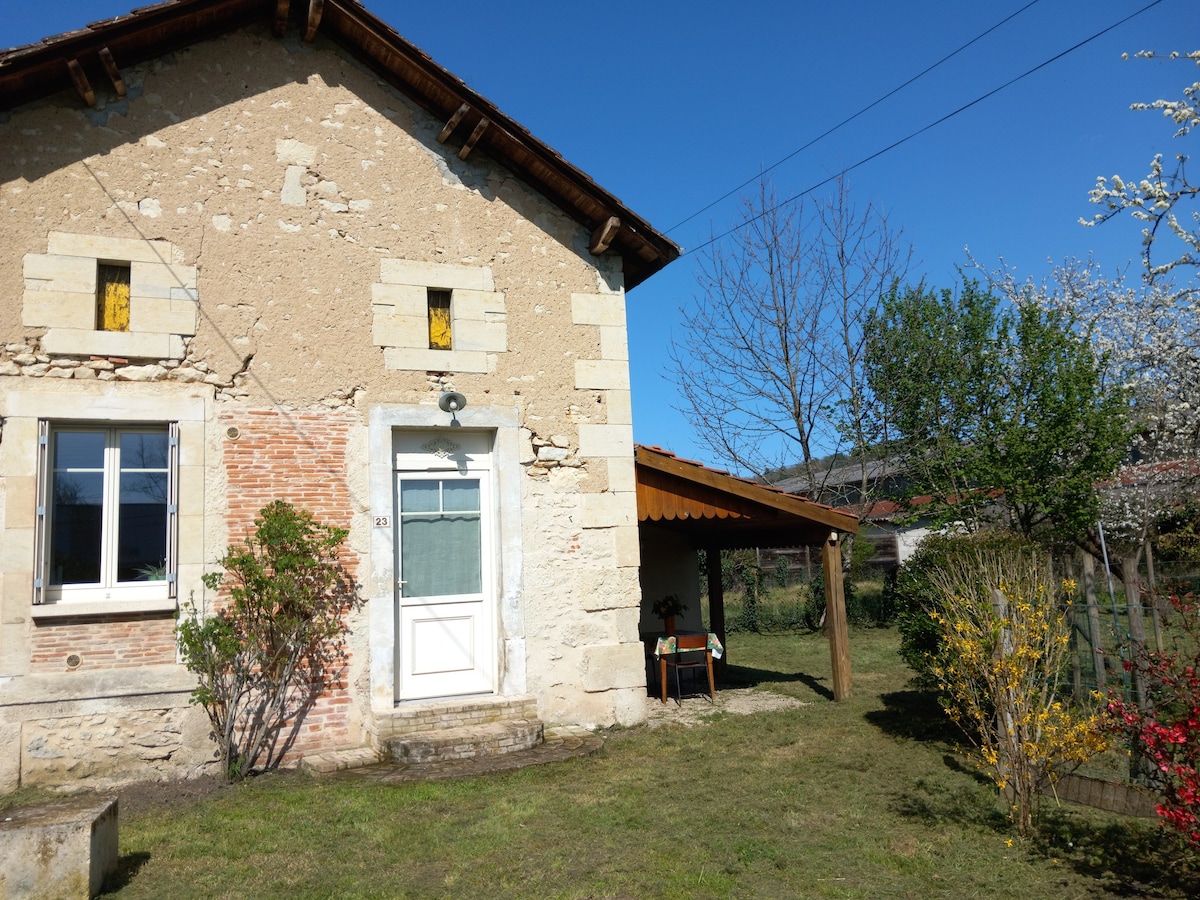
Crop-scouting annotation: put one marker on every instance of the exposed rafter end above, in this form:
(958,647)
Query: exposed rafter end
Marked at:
(452,123)
(281,17)
(315,8)
(603,236)
(474,138)
(81,82)
(114,74)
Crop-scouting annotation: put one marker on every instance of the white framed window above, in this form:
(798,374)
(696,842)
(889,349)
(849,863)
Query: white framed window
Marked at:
(107,512)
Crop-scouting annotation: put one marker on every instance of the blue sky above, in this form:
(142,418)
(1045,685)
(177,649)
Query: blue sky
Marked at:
(670,104)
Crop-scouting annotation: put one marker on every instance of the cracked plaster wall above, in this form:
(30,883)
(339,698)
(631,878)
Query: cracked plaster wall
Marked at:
(286,174)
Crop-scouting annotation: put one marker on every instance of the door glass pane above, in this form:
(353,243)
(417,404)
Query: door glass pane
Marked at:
(142,515)
(77,507)
(441,550)
(419,496)
(461,496)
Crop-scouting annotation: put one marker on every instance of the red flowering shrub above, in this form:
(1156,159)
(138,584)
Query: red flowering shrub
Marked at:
(1166,734)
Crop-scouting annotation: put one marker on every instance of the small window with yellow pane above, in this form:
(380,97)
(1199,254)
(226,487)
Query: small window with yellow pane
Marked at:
(112,296)
(439,319)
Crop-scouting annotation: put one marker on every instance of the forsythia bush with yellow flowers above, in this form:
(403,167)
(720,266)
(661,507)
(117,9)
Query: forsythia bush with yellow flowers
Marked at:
(1005,637)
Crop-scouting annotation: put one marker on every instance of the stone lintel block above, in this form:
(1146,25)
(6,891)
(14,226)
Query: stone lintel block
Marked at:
(609,666)
(629,551)
(477,335)
(602,374)
(158,315)
(157,280)
(65,848)
(58,309)
(436,275)
(74,342)
(614,343)
(20,501)
(110,249)
(620,407)
(53,272)
(606,441)
(400,331)
(609,510)
(403,359)
(476,304)
(598,309)
(622,474)
(405,299)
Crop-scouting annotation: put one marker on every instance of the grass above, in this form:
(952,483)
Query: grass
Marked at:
(868,798)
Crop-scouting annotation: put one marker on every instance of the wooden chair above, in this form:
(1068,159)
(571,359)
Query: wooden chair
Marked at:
(693,653)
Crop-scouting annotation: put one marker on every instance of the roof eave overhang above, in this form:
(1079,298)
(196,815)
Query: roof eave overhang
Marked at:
(40,70)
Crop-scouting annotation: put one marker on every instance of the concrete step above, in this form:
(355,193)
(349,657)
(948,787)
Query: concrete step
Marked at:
(465,742)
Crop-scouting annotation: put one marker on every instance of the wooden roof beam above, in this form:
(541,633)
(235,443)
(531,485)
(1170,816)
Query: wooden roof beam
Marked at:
(82,85)
(474,138)
(282,8)
(452,123)
(315,8)
(114,74)
(603,236)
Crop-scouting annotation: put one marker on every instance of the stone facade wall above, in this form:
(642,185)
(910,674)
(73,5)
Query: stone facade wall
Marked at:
(292,204)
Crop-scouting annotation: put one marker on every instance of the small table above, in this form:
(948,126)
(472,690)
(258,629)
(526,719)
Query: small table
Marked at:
(667,644)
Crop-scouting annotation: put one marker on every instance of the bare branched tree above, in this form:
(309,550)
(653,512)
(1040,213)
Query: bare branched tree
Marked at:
(769,368)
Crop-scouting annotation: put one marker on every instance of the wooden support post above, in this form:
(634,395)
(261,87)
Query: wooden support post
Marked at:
(1076,648)
(716,602)
(835,617)
(1093,614)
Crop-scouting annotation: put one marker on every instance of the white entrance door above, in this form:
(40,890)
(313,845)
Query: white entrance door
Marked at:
(444,590)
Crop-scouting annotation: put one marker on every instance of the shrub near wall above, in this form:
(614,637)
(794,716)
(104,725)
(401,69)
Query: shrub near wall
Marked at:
(915,596)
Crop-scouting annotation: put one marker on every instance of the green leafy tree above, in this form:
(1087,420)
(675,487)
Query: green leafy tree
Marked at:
(1001,411)
(277,642)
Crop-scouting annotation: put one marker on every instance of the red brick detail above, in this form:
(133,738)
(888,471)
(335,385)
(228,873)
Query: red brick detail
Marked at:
(102,642)
(300,458)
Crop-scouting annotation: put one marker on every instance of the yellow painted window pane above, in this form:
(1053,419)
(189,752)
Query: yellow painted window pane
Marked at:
(112,297)
(439,320)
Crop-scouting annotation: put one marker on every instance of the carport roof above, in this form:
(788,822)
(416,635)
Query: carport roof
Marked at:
(715,509)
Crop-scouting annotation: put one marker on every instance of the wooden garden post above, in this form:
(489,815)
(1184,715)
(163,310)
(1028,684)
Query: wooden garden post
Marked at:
(1093,614)
(1152,593)
(1137,626)
(835,617)
(716,603)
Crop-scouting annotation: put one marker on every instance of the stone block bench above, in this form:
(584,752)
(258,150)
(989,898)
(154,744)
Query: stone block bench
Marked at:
(64,848)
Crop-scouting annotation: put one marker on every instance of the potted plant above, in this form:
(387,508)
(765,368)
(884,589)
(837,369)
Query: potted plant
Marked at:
(667,609)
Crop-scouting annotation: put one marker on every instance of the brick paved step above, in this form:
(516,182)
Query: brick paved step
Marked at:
(465,742)
(434,715)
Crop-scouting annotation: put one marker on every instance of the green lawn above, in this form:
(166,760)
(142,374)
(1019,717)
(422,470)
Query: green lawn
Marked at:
(862,799)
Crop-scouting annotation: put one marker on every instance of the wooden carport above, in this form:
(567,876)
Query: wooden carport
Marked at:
(716,511)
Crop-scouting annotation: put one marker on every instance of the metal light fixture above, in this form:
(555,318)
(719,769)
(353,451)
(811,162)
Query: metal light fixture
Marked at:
(451,402)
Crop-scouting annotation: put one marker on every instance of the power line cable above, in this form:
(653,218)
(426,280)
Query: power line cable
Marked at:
(847,121)
(920,131)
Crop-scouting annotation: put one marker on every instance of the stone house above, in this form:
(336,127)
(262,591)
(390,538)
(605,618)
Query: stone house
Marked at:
(248,246)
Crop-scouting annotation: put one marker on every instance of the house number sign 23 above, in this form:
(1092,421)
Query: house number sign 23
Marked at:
(382,521)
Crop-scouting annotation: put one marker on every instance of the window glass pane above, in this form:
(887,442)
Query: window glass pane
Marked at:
(142,513)
(461,495)
(77,507)
(420,496)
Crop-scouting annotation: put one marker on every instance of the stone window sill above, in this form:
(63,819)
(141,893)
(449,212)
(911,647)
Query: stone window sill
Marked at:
(72,610)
